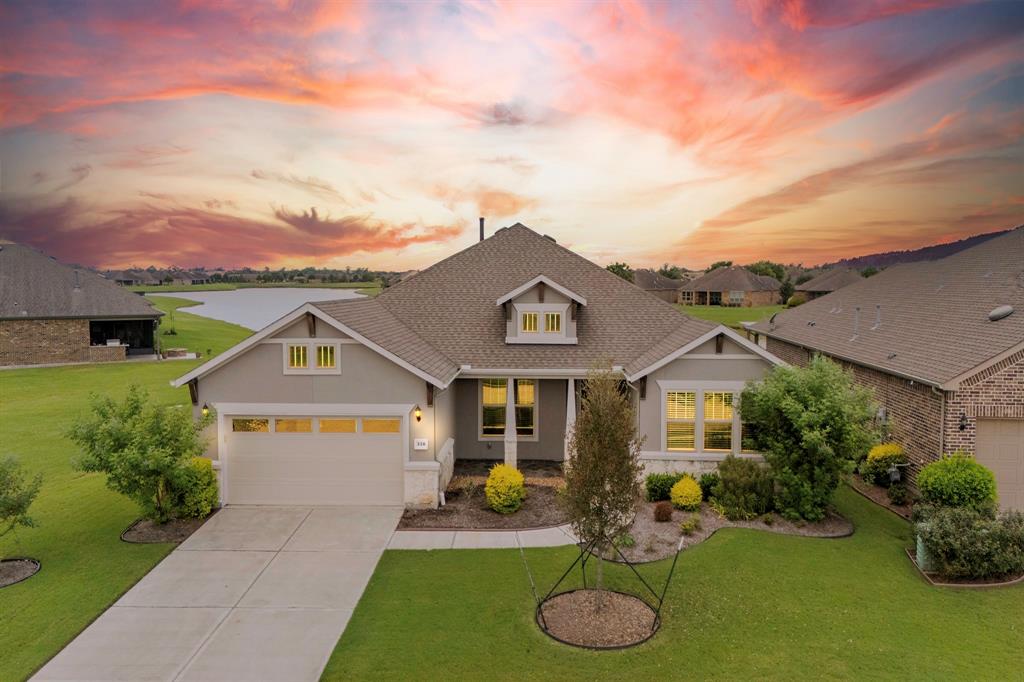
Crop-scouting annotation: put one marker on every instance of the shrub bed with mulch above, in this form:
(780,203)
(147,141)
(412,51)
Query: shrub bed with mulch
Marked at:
(15,570)
(650,540)
(145,531)
(573,618)
(879,496)
(466,508)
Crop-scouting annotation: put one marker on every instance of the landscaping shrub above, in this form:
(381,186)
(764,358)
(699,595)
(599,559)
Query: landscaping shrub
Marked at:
(957,480)
(690,524)
(812,424)
(968,544)
(505,489)
(708,482)
(796,299)
(196,489)
(898,493)
(144,449)
(659,486)
(686,494)
(16,495)
(875,468)
(744,489)
(625,540)
(663,511)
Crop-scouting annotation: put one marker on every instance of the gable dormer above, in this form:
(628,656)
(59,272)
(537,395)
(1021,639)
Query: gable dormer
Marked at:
(541,311)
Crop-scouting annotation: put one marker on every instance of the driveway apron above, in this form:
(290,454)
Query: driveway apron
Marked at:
(257,593)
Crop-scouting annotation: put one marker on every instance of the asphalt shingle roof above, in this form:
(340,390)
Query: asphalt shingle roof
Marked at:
(448,311)
(934,315)
(830,280)
(649,280)
(35,286)
(734,278)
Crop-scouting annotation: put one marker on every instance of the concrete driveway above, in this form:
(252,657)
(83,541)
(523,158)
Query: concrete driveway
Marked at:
(257,593)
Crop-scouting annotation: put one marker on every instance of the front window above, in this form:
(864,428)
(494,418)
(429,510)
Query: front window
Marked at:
(493,402)
(529,322)
(736,297)
(680,420)
(297,358)
(718,415)
(325,357)
(552,322)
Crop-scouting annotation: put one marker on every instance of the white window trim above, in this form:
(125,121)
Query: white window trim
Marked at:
(698,387)
(311,345)
(480,412)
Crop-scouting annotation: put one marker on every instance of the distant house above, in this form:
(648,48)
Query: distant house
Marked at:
(125,278)
(187,277)
(829,281)
(53,313)
(941,345)
(665,288)
(732,286)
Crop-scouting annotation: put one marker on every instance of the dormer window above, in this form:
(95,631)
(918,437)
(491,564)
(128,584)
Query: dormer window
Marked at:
(541,311)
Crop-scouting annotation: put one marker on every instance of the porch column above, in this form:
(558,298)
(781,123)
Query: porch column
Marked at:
(570,414)
(510,422)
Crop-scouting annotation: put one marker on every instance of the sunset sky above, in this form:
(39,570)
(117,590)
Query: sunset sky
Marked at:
(350,134)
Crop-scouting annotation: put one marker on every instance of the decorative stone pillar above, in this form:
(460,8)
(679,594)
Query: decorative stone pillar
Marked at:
(510,423)
(570,414)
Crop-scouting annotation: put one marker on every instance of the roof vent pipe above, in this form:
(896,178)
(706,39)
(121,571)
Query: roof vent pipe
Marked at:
(878,317)
(481,228)
(77,283)
(856,323)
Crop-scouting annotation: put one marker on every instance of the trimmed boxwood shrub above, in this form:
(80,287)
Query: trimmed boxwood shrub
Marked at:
(505,489)
(659,486)
(958,480)
(875,469)
(745,489)
(686,494)
(968,545)
(196,489)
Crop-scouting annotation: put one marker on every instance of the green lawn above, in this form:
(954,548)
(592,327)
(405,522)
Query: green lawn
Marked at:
(85,566)
(744,605)
(371,288)
(730,317)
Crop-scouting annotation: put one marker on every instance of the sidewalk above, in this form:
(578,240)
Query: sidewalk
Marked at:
(558,536)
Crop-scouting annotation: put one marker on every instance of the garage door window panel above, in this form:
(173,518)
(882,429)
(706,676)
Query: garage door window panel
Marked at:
(293,425)
(250,425)
(382,425)
(337,425)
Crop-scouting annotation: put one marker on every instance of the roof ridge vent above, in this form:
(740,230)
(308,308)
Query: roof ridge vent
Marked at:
(999,313)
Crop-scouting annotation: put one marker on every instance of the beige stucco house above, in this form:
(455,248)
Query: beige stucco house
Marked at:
(481,356)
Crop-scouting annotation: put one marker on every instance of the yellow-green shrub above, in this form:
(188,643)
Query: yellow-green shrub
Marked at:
(875,469)
(686,494)
(196,489)
(505,489)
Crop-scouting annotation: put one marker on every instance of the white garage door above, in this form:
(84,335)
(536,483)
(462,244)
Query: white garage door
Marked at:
(314,460)
(1000,447)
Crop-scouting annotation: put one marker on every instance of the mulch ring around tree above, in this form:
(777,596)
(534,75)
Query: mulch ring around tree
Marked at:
(572,618)
(17,569)
(879,496)
(466,508)
(653,540)
(145,531)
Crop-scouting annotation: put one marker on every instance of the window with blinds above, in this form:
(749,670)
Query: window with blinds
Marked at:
(680,420)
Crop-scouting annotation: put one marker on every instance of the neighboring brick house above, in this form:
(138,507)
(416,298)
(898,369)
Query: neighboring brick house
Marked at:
(52,313)
(732,286)
(941,344)
(665,288)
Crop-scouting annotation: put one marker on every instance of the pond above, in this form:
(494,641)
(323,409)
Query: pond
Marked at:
(257,307)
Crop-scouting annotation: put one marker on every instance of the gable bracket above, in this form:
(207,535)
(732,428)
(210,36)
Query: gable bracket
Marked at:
(193,391)
(311,321)
(540,292)
(719,344)
(430,394)
(643,387)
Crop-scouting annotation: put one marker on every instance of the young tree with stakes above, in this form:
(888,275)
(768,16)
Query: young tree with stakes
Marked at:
(16,495)
(602,474)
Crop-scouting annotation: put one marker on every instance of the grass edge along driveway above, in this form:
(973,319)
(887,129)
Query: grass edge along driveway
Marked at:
(745,604)
(85,566)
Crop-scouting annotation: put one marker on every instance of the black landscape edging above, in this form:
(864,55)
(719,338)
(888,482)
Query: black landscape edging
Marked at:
(39,567)
(613,647)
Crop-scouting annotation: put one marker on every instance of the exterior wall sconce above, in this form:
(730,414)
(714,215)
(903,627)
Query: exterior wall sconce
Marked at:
(206,410)
(418,413)
(963,422)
